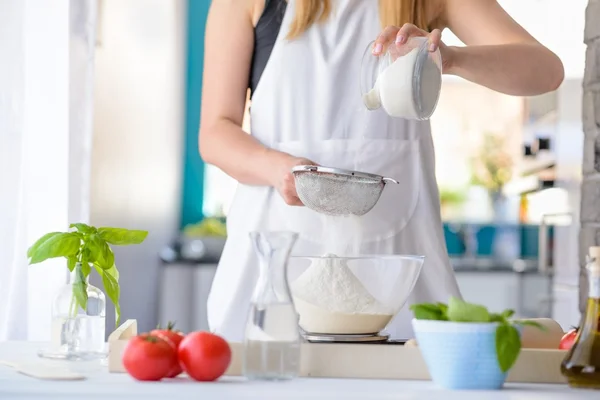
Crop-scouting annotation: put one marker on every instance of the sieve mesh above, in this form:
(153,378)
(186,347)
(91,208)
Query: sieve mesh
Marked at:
(334,194)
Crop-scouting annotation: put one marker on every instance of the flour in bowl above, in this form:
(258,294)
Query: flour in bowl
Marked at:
(330,299)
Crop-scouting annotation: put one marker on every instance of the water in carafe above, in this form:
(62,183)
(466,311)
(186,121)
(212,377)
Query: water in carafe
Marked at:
(272,338)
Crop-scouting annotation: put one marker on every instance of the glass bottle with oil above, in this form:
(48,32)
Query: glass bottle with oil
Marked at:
(581,366)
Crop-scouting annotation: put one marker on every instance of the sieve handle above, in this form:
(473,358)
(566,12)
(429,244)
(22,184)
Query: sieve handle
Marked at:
(305,168)
(389,180)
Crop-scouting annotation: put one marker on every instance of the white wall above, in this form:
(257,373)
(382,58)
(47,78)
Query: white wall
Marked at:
(138,135)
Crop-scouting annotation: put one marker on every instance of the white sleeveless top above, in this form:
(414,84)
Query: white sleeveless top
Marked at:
(308,103)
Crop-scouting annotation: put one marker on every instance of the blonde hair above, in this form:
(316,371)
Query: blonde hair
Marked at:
(392,12)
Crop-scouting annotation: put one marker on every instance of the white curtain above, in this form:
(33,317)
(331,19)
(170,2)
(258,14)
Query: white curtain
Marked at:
(46,83)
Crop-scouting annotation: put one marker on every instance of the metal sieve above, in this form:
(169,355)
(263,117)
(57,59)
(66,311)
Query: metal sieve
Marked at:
(334,191)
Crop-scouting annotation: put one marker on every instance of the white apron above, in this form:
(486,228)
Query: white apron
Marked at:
(308,104)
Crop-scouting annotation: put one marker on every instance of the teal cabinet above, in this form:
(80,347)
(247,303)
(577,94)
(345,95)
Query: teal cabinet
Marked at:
(486,234)
(193,167)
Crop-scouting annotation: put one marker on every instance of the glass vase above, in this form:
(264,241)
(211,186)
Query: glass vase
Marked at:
(77,334)
(272,339)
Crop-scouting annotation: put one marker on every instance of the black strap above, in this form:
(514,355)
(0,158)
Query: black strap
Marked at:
(265,34)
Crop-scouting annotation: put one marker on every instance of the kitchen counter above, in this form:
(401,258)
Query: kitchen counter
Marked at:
(488,264)
(102,385)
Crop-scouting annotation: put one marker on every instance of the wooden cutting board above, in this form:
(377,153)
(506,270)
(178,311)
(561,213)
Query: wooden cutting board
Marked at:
(540,363)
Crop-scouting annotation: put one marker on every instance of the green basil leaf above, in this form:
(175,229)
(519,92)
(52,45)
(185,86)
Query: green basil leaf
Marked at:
(39,242)
(100,252)
(94,248)
(444,309)
(86,269)
(110,258)
(110,280)
(427,311)
(83,228)
(80,275)
(80,288)
(461,311)
(530,323)
(508,346)
(80,293)
(122,237)
(86,254)
(508,313)
(58,245)
(71,262)
(495,317)
(114,272)
(85,257)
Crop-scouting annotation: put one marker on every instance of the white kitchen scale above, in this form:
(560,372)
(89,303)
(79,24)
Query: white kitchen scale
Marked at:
(380,337)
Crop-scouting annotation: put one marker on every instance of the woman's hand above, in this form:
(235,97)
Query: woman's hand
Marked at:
(399,36)
(283,179)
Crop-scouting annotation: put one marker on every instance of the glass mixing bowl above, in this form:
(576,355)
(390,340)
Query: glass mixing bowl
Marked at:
(351,295)
(405,80)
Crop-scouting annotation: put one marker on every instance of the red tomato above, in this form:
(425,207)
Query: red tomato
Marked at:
(568,339)
(204,356)
(149,358)
(174,337)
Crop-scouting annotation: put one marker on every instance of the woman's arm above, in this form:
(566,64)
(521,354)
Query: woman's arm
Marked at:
(499,54)
(227,56)
(229,43)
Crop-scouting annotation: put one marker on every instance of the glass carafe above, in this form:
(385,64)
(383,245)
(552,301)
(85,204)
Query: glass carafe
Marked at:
(272,338)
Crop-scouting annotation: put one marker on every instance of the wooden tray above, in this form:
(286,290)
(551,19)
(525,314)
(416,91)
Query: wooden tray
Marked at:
(366,361)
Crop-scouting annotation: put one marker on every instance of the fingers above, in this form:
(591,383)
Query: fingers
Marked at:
(435,37)
(309,162)
(286,186)
(303,161)
(289,191)
(293,201)
(401,35)
(407,31)
(386,36)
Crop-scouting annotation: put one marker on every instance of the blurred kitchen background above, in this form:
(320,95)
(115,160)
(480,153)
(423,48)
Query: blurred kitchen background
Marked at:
(509,169)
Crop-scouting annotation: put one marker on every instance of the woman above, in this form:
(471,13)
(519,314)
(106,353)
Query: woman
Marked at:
(301,60)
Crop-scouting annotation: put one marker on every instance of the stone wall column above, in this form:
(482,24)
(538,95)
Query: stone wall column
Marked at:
(590,188)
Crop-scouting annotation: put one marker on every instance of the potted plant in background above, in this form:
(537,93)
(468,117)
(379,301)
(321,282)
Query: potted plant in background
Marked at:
(208,227)
(493,169)
(450,201)
(79,308)
(200,242)
(465,346)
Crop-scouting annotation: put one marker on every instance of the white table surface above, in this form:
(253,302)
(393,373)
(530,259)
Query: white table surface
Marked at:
(100,384)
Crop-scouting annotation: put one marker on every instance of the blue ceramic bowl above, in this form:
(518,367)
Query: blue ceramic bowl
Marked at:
(460,355)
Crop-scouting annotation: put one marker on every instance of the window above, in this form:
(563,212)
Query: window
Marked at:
(45,112)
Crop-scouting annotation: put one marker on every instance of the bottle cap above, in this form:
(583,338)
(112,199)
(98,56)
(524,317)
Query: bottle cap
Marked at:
(594,265)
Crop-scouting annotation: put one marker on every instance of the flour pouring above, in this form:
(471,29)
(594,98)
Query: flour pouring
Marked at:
(300,62)
(329,296)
